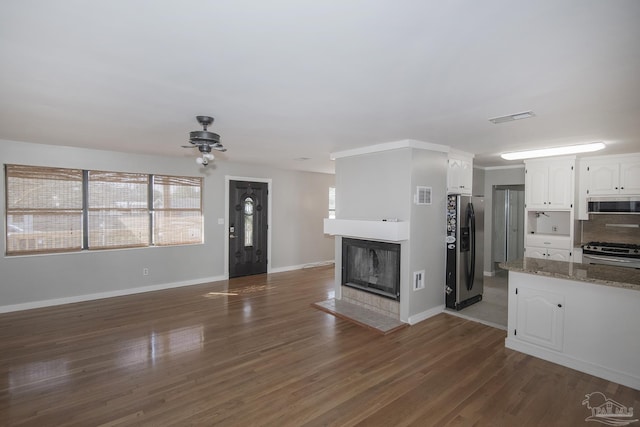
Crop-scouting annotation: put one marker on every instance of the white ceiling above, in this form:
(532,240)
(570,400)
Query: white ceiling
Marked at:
(291,79)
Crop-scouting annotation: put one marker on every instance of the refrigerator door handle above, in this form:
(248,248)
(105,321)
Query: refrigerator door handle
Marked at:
(471,261)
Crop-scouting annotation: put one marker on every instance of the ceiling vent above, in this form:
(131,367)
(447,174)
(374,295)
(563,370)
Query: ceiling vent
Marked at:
(512,117)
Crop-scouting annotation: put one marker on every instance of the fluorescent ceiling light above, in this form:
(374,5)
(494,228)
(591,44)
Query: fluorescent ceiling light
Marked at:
(555,151)
(512,117)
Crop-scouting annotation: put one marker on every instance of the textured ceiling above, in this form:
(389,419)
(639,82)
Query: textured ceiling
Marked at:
(299,79)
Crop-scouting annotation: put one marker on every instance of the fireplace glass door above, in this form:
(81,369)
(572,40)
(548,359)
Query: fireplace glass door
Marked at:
(371,266)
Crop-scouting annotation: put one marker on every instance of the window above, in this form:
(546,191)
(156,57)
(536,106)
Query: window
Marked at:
(118,212)
(332,202)
(44,209)
(61,210)
(177,210)
(248,222)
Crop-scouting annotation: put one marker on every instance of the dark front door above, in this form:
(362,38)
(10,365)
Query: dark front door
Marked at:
(247,228)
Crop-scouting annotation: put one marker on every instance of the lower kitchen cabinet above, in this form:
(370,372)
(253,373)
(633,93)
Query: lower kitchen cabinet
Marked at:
(540,317)
(585,326)
(548,253)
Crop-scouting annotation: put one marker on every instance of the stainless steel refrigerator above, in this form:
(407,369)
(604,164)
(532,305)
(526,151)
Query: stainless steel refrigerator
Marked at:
(465,244)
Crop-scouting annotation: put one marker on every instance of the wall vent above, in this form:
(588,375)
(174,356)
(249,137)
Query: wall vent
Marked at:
(423,195)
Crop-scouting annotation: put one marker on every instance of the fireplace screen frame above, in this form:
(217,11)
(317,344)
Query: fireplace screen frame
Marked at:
(368,286)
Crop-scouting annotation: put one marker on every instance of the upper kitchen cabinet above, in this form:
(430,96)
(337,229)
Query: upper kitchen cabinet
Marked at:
(613,175)
(460,174)
(549,183)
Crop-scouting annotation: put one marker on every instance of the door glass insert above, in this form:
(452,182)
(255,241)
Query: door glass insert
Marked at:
(248,222)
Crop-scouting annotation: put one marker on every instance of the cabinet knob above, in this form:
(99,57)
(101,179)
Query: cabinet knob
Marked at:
(560,305)
(622,188)
(616,188)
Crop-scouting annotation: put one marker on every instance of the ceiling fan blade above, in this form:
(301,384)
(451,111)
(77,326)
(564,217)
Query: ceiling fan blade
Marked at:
(189,146)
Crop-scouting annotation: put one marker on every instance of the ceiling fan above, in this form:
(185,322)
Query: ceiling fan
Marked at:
(205,141)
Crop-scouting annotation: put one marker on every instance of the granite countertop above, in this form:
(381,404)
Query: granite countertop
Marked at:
(621,277)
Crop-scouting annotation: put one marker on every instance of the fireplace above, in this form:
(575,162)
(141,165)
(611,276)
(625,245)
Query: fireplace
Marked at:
(372,266)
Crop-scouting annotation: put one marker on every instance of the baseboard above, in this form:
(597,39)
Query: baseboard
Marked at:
(101,295)
(300,266)
(490,273)
(425,315)
(574,363)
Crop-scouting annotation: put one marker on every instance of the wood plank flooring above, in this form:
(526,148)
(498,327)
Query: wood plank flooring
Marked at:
(251,352)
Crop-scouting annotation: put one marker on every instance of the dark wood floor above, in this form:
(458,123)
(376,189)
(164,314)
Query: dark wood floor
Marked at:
(251,351)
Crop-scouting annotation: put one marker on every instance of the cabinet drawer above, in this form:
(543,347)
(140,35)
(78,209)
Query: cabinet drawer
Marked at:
(548,241)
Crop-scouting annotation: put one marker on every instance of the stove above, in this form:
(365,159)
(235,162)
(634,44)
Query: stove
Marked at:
(618,254)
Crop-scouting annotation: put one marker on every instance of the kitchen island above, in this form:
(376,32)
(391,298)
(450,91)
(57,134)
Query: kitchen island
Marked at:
(585,317)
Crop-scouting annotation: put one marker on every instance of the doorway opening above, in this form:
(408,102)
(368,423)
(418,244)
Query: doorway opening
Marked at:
(508,223)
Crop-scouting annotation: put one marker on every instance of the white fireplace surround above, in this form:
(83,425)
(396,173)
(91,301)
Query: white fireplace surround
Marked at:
(391,231)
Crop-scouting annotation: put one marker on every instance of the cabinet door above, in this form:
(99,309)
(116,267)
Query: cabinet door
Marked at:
(561,185)
(533,252)
(466,176)
(559,255)
(630,177)
(536,184)
(540,317)
(453,176)
(459,176)
(602,178)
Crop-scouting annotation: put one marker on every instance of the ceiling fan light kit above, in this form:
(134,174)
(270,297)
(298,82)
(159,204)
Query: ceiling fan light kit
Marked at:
(205,141)
(554,151)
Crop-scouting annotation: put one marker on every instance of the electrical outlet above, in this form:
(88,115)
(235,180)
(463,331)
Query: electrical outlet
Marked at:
(145,271)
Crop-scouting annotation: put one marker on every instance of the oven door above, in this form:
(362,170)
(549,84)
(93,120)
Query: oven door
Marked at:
(608,260)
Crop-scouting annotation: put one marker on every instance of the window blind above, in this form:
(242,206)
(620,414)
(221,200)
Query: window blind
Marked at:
(117,209)
(44,209)
(177,210)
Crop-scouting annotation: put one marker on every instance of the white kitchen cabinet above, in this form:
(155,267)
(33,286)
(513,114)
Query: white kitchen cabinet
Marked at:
(549,183)
(559,255)
(460,175)
(547,253)
(613,176)
(533,252)
(595,331)
(540,317)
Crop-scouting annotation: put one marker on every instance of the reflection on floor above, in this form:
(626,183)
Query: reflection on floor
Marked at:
(492,310)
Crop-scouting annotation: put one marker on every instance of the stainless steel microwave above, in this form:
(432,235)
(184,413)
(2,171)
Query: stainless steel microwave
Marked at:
(613,205)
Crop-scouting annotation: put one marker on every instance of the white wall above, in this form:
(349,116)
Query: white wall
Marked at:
(374,186)
(428,231)
(381,185)
(299,204)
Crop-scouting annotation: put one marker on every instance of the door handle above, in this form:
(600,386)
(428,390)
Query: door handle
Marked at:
(231,236)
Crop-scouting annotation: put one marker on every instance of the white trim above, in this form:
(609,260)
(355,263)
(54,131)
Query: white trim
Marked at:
(425,315)
(387,146)
(109,294)
(624,378)
(489,273)
(393,231)
(459,153)
(269,182)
